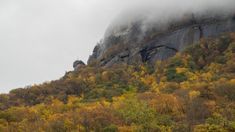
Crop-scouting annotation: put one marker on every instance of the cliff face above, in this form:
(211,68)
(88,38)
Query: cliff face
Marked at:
(129,44)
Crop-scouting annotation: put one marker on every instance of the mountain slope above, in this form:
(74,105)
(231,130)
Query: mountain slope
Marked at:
(192,91)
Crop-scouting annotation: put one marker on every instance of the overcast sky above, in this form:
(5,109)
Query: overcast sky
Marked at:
(40,39)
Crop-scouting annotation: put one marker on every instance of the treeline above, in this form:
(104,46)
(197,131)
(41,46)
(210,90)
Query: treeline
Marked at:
(192,91)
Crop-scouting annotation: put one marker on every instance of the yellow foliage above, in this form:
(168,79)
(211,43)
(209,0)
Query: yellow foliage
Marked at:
(143,70)
(148,80)
(194,94)
(105,76)
(214,67)
(56,103)
(181,70)
(185,85)
(211,105)
(207,76)
(155,87)
(232,81)
(163,103)
(92,79)
(192,76)
(73,102)
(68,124)
(126,129)
(135,74)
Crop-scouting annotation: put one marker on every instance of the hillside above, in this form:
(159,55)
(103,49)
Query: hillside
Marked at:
(192,91)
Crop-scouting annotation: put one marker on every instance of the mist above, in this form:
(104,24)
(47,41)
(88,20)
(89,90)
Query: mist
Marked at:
(160,14)
(40,39)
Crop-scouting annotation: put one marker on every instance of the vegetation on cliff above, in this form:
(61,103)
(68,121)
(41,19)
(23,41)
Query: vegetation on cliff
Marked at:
(192,91)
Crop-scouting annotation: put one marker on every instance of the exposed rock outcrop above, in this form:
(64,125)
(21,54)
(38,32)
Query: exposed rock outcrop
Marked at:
(78,64)
(130,44)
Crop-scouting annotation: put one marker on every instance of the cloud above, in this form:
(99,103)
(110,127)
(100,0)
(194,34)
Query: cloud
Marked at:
(159,13)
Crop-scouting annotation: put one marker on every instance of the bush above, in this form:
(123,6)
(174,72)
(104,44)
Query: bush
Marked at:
(209,128)
(231,127)
(180,128)
(226,90)
(232,47)
(221,59)
(111,128)
(197,111)
(136,112)
(175,77)
(170,88)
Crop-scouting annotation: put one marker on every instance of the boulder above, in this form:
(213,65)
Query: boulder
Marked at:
(78,64)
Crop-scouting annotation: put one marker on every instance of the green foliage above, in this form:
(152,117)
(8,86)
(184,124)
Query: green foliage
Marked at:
(111,128)
(137,112)
(175,77)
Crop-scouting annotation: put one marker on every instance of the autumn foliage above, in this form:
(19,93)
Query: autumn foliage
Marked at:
(194,91)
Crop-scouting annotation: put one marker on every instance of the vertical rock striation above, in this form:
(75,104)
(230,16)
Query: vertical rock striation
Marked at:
(130,44)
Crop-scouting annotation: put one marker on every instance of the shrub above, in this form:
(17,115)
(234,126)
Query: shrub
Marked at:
(180,128)
(226,90)
(209,128)
(172,75)
(197,111)
(170,87)
(111,128)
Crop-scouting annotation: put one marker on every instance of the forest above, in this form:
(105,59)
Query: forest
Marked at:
(194,91)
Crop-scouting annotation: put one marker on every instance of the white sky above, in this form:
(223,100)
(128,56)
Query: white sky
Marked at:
(40,39)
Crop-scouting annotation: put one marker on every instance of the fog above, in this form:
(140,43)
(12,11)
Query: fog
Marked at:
(159,14)
(40,39)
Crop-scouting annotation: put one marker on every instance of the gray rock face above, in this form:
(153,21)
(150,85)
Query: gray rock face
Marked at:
(132,46)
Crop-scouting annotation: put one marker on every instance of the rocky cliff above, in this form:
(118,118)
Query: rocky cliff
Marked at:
(133,43)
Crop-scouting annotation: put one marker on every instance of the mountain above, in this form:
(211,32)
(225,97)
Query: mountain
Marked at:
(178,78)
(130,43)
(190,92)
